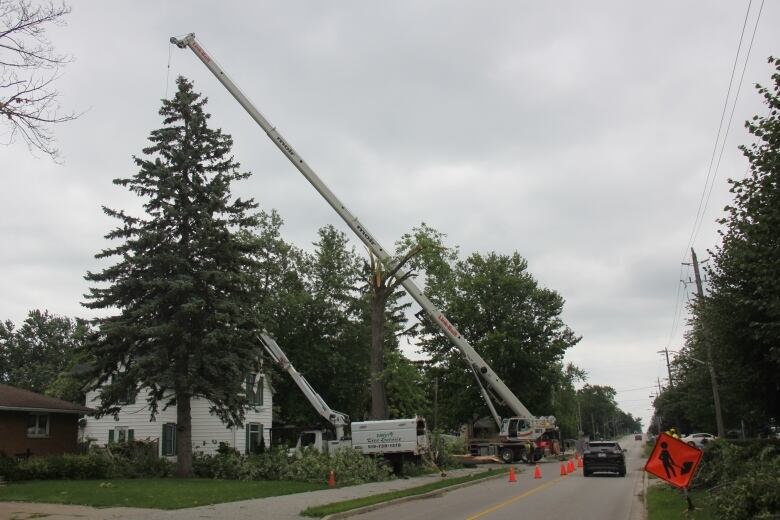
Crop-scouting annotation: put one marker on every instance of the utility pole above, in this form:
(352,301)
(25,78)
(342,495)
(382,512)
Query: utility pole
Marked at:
(713,377)
(668,367)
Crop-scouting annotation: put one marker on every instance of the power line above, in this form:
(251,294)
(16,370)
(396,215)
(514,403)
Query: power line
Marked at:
(709,181)
(731,117)
(699,213)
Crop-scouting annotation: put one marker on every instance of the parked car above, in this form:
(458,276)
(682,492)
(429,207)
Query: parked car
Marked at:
(637,436)
(734,434)
(698,440)
(603,456)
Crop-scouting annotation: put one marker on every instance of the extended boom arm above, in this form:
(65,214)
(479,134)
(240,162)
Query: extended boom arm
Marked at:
(337,419)
(476,362)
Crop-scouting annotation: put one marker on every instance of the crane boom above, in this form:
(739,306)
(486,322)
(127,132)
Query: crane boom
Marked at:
(477,364)
(337,419)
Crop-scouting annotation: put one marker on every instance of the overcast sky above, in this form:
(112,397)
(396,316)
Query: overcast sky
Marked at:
(577,134)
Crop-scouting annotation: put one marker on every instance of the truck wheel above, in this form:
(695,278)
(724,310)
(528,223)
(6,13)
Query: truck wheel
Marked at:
(622,471)
(507,455)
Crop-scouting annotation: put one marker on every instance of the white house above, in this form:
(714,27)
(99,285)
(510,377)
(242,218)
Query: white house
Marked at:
(208,431)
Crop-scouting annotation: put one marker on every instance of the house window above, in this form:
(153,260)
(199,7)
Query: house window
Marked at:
(254,436)
(120,434)
(129,393)
(254,389)
(169,440)
(129,397)
(38,425)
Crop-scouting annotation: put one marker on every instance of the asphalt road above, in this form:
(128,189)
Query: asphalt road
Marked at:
(554,497)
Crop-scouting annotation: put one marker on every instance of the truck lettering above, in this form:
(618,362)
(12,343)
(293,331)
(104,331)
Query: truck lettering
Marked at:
(365,234)
(447,325)
(286,146)
(199,50)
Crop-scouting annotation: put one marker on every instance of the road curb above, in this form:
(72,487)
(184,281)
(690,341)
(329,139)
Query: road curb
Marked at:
(401,500)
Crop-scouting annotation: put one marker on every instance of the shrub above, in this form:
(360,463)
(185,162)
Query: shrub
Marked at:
(57,467)
(743,477)
(753,494)
(308,465)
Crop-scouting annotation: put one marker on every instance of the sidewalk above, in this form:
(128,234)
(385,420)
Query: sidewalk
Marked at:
(285,507)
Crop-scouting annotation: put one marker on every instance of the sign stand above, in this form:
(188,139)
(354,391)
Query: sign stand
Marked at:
(691,507)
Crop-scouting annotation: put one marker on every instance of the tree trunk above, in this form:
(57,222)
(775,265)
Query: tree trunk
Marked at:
(183,435)
(378,397)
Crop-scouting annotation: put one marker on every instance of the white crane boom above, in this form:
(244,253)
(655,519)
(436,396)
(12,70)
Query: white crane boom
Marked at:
(478,365)
(337,419)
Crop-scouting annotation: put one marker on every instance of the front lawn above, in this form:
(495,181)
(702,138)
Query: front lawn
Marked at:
(161,493)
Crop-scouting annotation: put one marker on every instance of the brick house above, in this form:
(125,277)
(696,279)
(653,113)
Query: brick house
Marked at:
(33,424)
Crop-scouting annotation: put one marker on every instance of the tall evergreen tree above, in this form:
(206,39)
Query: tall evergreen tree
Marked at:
(181,284)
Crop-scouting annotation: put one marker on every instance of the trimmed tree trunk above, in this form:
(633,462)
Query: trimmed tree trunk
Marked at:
(378,396)
(183,436)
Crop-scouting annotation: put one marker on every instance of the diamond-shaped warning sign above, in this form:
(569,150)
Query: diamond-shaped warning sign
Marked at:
(673,461)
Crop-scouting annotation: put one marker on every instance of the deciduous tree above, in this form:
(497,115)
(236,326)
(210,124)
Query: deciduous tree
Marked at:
(29,69)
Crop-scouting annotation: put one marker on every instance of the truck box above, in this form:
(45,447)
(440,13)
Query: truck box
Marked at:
(391,436)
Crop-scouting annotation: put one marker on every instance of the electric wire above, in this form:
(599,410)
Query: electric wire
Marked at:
(731,117)
(709,181)
(717,136)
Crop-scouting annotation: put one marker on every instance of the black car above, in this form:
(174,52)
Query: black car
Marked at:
(604,456)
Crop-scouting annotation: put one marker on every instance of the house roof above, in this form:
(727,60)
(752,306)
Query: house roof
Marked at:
(16,399)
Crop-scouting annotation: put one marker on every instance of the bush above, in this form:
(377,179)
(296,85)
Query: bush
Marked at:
(754,494)
(125,460)
(743,478)
(443,447)
(58,467)
(307,465)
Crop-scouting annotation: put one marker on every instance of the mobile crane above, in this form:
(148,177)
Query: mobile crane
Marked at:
(394,439)
(516,431)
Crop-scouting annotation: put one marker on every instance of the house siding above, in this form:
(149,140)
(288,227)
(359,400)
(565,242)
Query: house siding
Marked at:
(63,434)
(207,429)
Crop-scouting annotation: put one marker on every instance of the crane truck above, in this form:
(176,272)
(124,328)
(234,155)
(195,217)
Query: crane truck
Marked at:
(514,432)
(395,439)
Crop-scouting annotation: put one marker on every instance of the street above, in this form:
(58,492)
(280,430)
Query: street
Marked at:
(602,496)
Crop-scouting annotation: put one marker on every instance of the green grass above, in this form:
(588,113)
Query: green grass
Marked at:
(649,446)
(340,507)
(667,503)
(163,493)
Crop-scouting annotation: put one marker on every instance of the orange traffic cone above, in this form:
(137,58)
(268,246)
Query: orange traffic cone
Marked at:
(512,474)
(538,472)
(331,479)
(563,469)
(579,463)
(570,467)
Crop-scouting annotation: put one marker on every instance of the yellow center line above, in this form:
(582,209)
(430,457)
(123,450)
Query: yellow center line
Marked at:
(515,499)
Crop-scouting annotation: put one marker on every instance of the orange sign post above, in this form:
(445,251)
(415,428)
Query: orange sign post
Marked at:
(675,462)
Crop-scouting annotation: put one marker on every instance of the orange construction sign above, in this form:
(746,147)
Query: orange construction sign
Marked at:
(673,461)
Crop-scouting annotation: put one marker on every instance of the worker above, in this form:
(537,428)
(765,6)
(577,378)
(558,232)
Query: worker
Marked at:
(529,452)
(672,432)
